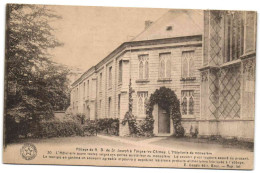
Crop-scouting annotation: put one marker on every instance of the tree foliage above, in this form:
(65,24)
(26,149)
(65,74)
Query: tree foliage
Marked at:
(137,127)
(35,85)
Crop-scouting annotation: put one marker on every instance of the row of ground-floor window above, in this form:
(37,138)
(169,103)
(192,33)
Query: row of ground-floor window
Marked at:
(187,105)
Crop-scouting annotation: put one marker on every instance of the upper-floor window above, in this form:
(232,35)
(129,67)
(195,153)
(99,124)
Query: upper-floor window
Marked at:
(187,104)
(187,64)
(165,65)
(110,77)
(84,90)
(88,89)
(233,35)
(141,103)
(143,66)
(250,31)
(120,74)
(77,92)
(100,82)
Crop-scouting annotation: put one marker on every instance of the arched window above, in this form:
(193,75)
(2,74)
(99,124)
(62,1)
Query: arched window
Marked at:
(188,64)
(187,102)
(142,99)
(143,66)
(165,65)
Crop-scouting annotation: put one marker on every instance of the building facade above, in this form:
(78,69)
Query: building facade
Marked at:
(228,74)
(206,57)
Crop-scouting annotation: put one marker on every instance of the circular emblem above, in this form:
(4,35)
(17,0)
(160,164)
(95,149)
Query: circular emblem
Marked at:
(28,151)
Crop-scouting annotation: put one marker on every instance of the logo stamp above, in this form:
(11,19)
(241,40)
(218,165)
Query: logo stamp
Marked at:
(28,151)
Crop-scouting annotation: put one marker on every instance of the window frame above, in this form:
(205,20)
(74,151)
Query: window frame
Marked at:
(118,102)
(110,77)
(144,59)
(84,90)
(109,107)
(120,72)
(188,94)
(234,35)
(189,59)
(100,82)
(245,31)
(144,98)
(164,72)
(88,86)
(100,106)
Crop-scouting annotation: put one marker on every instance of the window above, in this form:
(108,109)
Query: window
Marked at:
(187,64)
(187,102)
(120,75)
(142,99)
(100,106)
(165,65)
(100,82)
(143,66)
(119,100)
(84,92)
(250,26)
(110,77)
(88,89)
(77,93)
(233,36)
(109,107)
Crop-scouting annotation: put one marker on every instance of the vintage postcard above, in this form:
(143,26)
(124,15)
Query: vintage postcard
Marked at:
(134,87)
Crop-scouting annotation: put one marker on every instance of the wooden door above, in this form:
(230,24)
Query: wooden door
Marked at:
(163,121)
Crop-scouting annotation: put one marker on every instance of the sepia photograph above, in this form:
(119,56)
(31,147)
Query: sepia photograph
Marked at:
(125,86)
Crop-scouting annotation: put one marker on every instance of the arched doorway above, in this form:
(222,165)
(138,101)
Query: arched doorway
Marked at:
(164,107)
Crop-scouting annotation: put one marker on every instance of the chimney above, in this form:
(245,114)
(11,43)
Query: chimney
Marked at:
(147,24)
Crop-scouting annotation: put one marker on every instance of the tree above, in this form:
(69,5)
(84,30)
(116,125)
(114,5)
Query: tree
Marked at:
(34,84)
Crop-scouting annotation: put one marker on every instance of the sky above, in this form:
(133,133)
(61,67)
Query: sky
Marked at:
(89,34)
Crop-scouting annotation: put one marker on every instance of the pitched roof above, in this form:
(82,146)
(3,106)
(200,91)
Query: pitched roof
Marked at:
(183,23)
(174,23)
